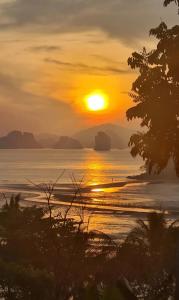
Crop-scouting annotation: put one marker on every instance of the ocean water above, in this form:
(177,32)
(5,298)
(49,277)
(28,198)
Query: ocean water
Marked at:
(114,201)
(44,165)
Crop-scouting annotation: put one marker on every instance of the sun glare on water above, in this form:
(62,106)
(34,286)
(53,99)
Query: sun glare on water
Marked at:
(96,102)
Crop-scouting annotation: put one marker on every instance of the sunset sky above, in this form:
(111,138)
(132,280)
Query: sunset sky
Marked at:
(55,52)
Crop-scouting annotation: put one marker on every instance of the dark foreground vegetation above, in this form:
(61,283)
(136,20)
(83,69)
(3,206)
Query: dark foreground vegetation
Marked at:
(55,257)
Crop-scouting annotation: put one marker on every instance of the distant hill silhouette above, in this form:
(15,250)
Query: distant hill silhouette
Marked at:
(47,140)
(66,142)
(119,135)
(102,142)
(19,140)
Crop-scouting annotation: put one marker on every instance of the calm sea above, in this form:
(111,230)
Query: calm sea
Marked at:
(46,164)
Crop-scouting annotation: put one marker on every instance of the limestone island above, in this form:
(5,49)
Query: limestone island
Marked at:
(102,142)
(19,140)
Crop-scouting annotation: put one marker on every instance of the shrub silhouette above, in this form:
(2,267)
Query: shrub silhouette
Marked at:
(46,257)
(149,255)
(43,256)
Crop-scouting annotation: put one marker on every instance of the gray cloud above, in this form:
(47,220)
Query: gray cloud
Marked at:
(108,60)
(45,48)
(88,69)
(124,19)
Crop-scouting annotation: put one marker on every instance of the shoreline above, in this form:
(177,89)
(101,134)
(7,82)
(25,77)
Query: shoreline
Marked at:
(64,193)
(111,206)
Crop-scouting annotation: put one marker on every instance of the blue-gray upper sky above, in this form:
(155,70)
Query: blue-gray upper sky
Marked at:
(54,52)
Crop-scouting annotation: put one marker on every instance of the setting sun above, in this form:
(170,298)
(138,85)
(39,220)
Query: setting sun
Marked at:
(96,101)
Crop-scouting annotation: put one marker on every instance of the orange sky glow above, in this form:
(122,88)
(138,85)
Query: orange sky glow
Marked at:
(50,64)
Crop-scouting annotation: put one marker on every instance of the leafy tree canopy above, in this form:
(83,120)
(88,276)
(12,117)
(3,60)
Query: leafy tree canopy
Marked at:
(167,2)
(156,97)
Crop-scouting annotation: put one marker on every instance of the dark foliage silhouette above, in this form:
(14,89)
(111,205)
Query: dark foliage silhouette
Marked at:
(48,256)
(167,2)
(148,255)
(54,257)
(156,97)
